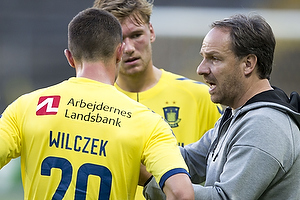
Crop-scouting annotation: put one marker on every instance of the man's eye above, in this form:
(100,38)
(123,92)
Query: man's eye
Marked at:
(136,35)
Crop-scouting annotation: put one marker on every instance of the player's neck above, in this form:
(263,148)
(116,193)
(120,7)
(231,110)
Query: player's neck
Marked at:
(141,82)
(98,72)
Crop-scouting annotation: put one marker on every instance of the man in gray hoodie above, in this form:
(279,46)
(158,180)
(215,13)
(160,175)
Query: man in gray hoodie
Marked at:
(253,152)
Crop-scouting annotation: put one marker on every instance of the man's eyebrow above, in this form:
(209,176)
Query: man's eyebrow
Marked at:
(209,53)
(139,31)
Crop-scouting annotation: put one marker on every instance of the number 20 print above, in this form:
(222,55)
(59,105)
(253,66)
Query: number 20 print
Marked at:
(82,177)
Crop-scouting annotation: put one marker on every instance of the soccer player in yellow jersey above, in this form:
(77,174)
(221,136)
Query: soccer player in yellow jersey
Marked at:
(184,103)
(82,138)
(178,100)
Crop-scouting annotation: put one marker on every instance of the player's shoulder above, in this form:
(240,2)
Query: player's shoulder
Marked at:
(184,82)
(31,99)
(38,92)
(136,106)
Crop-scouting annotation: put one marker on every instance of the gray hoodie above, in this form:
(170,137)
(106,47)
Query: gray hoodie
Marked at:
(253,154)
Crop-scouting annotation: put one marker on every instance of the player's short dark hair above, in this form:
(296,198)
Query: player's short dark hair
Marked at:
(251,35)
(94,34)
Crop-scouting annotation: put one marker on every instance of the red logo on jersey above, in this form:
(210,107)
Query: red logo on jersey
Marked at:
(48,105)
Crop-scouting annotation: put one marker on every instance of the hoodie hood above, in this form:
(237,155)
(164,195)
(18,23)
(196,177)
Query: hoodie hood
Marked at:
(277,99)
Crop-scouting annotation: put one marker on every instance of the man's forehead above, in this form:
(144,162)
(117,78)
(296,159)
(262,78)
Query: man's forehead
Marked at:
(216,40)
(134,18)
(132,25)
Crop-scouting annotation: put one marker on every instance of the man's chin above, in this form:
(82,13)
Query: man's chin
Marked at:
(214,98)
(131,72)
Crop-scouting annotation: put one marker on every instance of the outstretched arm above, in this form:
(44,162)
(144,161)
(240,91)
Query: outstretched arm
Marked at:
(176,187)
(179,186)
(144,175)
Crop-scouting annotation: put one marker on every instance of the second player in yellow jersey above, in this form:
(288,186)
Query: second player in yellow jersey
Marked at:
(184,103)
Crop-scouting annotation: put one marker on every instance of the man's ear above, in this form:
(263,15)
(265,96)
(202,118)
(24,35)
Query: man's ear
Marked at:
(119,52)
(152,33)
(250,64)
(69,57)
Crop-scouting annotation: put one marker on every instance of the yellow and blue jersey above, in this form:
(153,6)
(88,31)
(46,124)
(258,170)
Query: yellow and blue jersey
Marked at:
(82,138)
(184,103)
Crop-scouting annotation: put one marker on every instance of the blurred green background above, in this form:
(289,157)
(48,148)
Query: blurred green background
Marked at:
(33,35)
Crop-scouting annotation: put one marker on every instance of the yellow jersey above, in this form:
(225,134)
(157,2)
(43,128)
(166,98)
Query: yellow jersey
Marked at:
(82,139)
(184,103)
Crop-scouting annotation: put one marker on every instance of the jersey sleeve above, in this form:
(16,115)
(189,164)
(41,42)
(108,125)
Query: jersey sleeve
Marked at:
(161,155)
(10,140)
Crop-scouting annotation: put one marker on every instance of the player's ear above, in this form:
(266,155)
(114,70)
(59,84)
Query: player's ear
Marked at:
(152,33)
(120,50)
(70,58)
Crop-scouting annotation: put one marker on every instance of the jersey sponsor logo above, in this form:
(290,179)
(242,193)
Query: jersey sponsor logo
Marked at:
(171,115)
(48,105)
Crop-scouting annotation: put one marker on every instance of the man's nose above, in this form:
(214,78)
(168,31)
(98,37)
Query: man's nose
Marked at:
(203,68)
(129,46)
